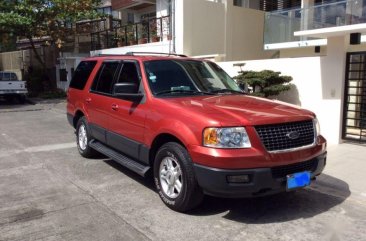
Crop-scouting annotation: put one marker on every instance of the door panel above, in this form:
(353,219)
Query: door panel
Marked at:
(127,118)
(99,99)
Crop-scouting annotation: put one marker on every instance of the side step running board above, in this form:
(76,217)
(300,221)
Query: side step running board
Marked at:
(120,158)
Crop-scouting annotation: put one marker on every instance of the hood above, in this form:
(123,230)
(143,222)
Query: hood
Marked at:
(241,109)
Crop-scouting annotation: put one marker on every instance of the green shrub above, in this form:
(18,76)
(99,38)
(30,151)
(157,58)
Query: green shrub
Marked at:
(265,83)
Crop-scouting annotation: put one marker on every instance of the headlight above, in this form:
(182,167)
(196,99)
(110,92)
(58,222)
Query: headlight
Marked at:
(233,137)
(317,126)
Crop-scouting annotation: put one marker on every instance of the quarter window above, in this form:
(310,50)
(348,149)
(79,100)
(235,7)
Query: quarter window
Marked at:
(82,74)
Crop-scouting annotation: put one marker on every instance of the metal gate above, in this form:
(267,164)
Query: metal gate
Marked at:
(354,116)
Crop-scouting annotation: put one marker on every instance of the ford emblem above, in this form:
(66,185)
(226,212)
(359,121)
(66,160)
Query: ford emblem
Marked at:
(293,135)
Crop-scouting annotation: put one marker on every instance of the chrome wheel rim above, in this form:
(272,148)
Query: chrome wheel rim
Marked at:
(171,179)
(83,139)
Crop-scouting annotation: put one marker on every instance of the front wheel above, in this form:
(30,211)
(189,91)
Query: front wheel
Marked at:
(83,137)
(175,179)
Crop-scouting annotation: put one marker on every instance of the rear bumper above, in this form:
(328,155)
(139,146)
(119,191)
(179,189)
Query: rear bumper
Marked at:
(262,181)
(13,92)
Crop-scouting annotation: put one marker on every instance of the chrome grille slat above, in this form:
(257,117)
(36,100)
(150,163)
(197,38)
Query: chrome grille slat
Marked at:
(274,136)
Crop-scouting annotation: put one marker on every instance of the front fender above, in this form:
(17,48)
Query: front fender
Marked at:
(182,131)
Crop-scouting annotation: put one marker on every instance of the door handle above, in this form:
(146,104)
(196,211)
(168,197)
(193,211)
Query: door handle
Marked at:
(114,107)
(88,100)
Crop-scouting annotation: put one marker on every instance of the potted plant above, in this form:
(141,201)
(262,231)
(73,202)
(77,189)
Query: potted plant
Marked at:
(154,34)
(142,39)
(130,33)
(120,40)
(142,33)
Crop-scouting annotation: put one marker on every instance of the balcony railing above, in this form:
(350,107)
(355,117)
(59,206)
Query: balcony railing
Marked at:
(146,31)
(281,25)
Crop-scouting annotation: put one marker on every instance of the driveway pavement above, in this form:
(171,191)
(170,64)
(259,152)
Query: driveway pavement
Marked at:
(49,192)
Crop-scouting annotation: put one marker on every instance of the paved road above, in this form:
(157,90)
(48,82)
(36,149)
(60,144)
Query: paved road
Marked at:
(49,192)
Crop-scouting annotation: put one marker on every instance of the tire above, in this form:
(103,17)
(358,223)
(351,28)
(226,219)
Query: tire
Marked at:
(175,179)
(8,98)
(83,137)
(21,99)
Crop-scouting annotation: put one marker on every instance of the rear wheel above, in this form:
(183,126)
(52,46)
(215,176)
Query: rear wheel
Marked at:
(83,137)
(174,178)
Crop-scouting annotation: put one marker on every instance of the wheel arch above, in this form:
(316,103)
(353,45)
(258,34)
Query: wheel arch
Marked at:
(159,141)
(77,116)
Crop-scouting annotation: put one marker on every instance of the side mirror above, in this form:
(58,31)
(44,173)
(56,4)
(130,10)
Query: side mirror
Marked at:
(127,91)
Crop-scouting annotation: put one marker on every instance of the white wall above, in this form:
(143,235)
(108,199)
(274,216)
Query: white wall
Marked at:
(214,28)
(202,26)
(312,92)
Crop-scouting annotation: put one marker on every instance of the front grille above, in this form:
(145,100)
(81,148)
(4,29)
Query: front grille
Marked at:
(276,137)
(283,171)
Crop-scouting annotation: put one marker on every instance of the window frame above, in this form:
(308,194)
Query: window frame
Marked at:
(117,75)
(98,74)
(137,65)
(89,75)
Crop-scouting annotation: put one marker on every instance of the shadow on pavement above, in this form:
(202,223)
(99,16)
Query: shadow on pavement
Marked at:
(282,207)
(147,181)
(304,203)
(12,103)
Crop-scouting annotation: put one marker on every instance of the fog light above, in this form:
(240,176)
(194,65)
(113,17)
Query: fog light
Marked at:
(238,179)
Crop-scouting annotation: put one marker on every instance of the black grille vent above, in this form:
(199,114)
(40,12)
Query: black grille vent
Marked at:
(275,137)
(283,171)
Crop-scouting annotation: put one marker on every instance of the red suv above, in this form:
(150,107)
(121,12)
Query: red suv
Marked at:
(189,122)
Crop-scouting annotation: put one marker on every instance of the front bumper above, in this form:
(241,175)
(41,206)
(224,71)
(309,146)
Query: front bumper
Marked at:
(262,181)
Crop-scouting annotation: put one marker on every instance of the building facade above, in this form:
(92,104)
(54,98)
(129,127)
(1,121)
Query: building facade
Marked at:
(332,32)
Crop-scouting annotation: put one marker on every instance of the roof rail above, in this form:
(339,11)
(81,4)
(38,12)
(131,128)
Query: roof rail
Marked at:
(101,55)
(155,53)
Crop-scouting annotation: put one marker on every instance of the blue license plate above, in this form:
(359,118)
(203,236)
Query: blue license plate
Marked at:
(298,180)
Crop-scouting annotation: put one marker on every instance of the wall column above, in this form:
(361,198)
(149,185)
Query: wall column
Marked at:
(307,17)
(333,68)
(228,48)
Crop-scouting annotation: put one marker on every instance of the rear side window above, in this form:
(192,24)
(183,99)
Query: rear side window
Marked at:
(6,77)
(104,79)
(13,76)
(82,74)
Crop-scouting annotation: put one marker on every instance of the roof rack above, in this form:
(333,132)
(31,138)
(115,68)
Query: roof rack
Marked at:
(106,55)
(155,53)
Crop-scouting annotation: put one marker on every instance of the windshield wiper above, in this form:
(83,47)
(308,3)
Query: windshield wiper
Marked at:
(183,91)
(227,91)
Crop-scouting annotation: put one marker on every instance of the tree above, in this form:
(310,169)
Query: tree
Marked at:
(32,19)
(266,82)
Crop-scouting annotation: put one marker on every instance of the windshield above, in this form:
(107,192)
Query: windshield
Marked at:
(188,77)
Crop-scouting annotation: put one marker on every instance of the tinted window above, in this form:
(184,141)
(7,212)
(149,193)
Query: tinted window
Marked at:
(129,74)
(6,77)
(187,76)
(13,77)
(82,74)
(104,79)
(168,75)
